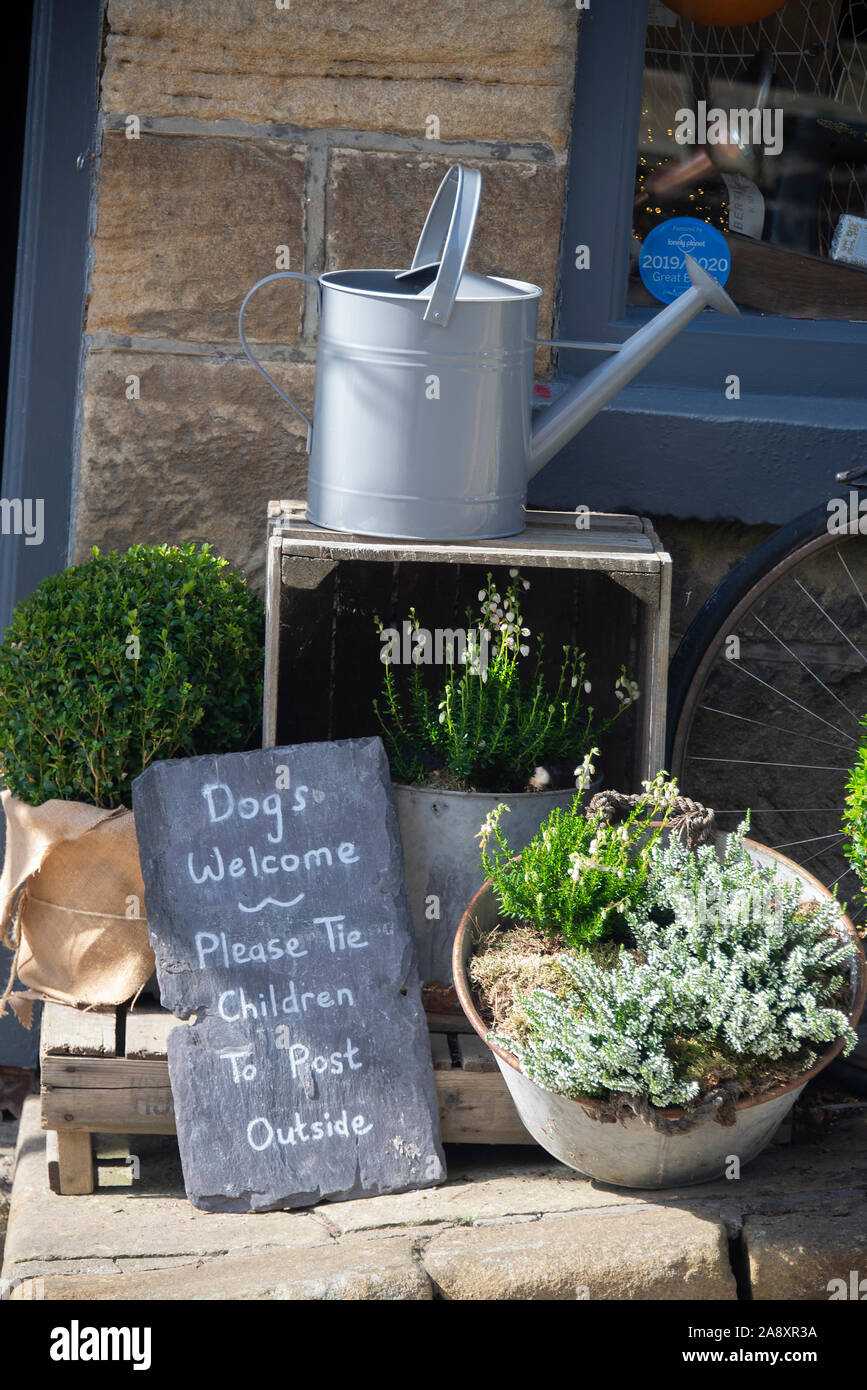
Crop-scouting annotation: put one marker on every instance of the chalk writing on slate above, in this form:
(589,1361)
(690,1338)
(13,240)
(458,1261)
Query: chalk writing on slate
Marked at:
(278,915)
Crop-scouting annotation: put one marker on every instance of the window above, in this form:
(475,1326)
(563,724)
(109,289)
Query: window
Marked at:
(788,192)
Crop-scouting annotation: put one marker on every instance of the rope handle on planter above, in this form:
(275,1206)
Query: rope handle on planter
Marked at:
(694,822)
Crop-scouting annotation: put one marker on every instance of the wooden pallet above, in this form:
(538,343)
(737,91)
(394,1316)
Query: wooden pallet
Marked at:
(105,1072)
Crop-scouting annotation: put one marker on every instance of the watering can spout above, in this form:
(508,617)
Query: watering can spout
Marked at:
(556,424)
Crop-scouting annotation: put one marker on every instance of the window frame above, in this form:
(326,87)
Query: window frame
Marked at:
(803,383)
(47,343)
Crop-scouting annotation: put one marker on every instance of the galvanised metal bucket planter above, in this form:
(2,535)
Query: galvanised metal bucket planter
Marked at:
(441,858)
(633,1152)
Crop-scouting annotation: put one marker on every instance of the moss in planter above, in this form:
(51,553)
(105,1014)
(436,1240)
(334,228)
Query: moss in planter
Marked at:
(155,653)
(510,964)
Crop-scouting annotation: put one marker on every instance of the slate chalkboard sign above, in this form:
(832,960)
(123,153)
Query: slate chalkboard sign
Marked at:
(278,915)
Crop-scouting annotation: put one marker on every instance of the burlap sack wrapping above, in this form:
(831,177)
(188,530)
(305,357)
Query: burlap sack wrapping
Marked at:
(70,877)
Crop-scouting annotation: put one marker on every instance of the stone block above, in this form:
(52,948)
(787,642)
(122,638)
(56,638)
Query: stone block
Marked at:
(502,71)
(385,1269)
(197,457)
(656,1253)
(377,203)
(185,227)
(807,1255)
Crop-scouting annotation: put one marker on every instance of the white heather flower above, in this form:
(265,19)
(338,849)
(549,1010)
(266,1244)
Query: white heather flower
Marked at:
(482,595)
(587,687)
(442,719)
(524,650)
(510,616)
(586,771)
(574,682)
(526,583)
(513,574)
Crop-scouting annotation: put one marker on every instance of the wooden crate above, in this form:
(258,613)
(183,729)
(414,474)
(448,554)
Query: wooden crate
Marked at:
(105,1072)
(606,589)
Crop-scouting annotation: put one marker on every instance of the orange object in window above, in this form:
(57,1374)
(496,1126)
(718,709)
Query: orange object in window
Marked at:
(724,11)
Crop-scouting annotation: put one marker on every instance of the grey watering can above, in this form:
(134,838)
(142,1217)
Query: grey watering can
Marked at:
(423,426)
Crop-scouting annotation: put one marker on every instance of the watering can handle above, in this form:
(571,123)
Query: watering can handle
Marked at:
(446,237)
(277,275)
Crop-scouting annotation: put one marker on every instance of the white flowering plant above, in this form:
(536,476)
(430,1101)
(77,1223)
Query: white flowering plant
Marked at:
(578,876)
(493,718)
(727,976)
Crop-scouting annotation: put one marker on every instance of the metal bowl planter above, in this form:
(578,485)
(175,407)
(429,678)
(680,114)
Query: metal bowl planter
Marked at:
(656,1148)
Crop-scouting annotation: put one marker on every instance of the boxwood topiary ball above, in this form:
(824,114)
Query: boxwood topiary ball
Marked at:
(151,654)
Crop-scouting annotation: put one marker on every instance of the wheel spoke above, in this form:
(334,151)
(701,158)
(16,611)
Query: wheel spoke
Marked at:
(808,669)
(826,614)
(792,701)
(818,854)
(778,728)
(811,840)
(849,572)
(759,762)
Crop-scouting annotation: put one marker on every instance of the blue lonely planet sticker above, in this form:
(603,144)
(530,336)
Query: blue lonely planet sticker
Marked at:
(661,259)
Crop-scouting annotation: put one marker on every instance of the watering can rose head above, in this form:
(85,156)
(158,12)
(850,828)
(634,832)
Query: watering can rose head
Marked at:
(423,424)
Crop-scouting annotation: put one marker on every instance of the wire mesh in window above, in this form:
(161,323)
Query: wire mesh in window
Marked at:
(760,129)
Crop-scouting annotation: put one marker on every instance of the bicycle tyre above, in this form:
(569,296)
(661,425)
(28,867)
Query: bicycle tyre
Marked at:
(715,614)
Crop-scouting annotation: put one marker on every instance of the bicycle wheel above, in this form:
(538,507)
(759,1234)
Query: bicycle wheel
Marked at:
(767,691)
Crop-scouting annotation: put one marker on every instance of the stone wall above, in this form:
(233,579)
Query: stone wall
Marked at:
(322,128)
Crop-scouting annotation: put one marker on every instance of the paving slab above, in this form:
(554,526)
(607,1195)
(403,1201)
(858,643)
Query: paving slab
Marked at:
(152,1219)
(637,1253)
(385,1269)
(809,1255)
(509,1223)
(511,1182)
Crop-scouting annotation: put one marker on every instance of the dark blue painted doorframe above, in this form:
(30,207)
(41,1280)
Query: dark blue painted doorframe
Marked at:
(672,443)
(46,342)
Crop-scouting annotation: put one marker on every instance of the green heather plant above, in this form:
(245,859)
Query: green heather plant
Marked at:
(578,875)
(855,812)
(493,719)
(155,653)
(727,974)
